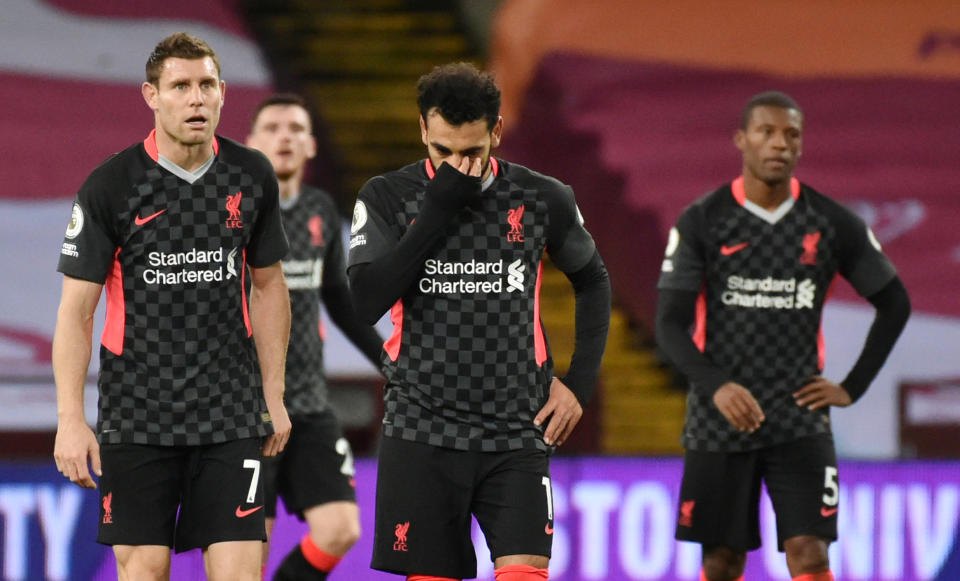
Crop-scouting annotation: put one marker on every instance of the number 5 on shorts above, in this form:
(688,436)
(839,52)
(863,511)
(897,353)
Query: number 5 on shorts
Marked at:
(832,495)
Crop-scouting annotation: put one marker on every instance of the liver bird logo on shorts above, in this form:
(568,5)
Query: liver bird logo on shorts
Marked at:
(233,206)
(515,219)
(686,513)
(809,255)
(401,532)
(107,510)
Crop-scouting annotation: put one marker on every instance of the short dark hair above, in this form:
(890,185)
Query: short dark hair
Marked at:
(768,99)
(178,45)
(461,93)
(284,99)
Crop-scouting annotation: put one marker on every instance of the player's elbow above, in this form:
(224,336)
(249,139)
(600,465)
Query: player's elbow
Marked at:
(367,301)
(893,302)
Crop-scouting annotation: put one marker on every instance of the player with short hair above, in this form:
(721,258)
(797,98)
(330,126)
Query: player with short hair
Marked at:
(750,264)
(314,474)
(453,246)
(173,227)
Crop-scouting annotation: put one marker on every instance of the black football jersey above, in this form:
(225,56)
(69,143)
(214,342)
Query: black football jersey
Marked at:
(468,366)
(316,259)
(763,278)
(178,365)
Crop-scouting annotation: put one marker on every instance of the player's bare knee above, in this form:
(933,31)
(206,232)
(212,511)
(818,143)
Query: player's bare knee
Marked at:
(723,564)
(142,563)
(351,533)
(340,539)
(806,554)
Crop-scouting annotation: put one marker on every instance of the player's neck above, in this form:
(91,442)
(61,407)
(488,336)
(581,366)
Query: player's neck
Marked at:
(189,157)
(290,187)
(768,196)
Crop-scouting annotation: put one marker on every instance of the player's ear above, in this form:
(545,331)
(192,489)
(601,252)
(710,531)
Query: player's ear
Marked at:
(496,133)
(312,147)
(423,132)
(149,92)
(739,139)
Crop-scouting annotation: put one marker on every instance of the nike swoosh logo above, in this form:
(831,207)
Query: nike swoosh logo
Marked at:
(827,512)
(248,512)
(141,221)
(548,529)
(728,250)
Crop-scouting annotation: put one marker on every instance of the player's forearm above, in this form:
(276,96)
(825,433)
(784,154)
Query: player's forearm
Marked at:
(378,284)
(893,309)
(675,311)
(72,346)
(591,286)
(270,322)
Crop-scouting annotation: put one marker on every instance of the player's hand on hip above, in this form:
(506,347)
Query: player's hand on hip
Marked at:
(277,441)
(564,411)
(821,392)
(74,445)
(738,405)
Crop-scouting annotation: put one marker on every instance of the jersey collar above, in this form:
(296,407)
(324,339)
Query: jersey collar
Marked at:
(150,144)
(740,194)
(770,216)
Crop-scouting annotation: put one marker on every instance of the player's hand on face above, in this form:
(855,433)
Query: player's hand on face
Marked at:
(74,445)
(821,392)
(470,166)
(738,405)
(277,441)
(564,411)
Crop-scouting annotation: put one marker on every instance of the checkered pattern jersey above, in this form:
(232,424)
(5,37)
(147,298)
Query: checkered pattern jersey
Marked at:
(763,284)
(316,258)
(178,365)
(463,370)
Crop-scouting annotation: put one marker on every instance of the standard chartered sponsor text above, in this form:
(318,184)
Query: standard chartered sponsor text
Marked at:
(434,267)
(303,274)
(213,258)
(769,293)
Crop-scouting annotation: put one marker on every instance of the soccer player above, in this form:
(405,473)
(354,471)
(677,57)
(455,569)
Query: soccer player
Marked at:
(453,245)
(314,475)
(754,260)
(172,227)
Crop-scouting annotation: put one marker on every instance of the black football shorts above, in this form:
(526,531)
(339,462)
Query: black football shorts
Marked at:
(315,467)
(218,489)
(426,494)
(720,494)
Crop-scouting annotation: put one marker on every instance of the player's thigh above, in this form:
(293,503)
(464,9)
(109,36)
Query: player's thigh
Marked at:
(720,499)
(139,493)
(224,499)
(802,481)
(513,503)
(146,562)
(233,561)
(317,466)
(422,520)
